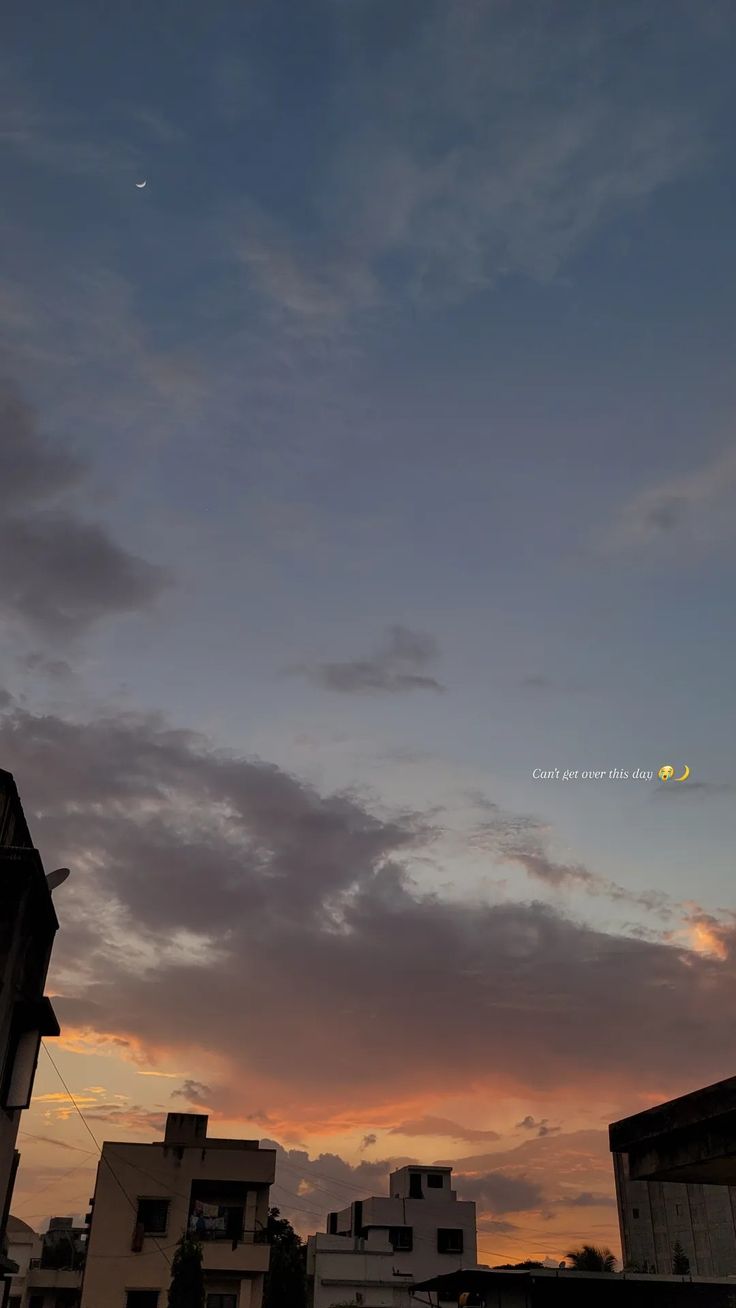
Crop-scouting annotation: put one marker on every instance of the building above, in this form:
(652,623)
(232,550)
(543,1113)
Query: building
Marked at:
(656,1215)
(376,1249)
(675,1171)
(24,1248)
(28,925)
(692,1138)
(551,1288)
(49,1265)
(147,1195)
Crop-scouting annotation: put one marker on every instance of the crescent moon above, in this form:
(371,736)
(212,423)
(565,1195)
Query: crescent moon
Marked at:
(140,185)
(685,774)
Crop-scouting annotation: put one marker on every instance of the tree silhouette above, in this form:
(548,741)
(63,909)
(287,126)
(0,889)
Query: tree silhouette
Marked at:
(680,1260)
(285,1285)
(187,1277)
(590,1258)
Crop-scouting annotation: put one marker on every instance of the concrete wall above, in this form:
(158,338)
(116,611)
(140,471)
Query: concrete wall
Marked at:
(343,1269)
(654,1215)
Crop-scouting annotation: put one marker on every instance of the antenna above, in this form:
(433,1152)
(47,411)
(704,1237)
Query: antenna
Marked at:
(57,878)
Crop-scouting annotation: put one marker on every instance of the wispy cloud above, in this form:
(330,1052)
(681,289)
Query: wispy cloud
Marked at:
(443,1126)
(698,507)
(396,667)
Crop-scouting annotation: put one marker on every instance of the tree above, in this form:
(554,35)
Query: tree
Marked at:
(285,1285)
(528,1266)
(592,1259)
(680,1260)
(187,1277)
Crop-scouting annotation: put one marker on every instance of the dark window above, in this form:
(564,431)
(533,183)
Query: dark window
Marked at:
(449,1241)
(35,1301)
(14,1301)
(357,1218)
(415,1185)
(636,1213)
(401,1238)
(142,1299)
(153,1216)
(332,1224)
(434,1180)
(221,1301)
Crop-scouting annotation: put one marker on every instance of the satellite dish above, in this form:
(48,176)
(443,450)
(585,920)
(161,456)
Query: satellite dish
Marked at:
(57,878)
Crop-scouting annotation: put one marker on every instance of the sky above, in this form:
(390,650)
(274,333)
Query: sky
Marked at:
(375,456)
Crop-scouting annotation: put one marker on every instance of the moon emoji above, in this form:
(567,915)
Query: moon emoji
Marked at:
(140,185)
(685,774)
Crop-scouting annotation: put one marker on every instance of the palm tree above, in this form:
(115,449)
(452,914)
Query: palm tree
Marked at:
(592,1259)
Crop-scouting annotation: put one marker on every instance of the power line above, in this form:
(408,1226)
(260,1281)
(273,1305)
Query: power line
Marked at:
(98,1147)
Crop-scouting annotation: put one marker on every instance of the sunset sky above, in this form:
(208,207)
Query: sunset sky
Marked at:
(375,454)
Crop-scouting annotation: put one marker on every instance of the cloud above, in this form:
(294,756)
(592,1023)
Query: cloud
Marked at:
(195,1093)
(497,1193)
(395,667)
(368,1141)
(60,574)
(202,878)
(458,161)
(428,1126)
(697,507)
(587,1200)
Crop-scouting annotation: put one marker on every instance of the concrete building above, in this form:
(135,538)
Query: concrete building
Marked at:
(692,1138)
(376,1249)
(49,1265)
(656,1215)
(550,1288)
(147,1195)
(24,1248)
(28,925)
(675,1171)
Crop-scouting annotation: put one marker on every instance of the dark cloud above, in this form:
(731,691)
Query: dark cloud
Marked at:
(31,469)
(195,1093)
(693,790)
(667,512)
(395,668)
(498,1193)
(6,699)
(368,1141)
(586,1199)
(54,669)
(204,880)
(542,1127)
(428,1126)
(60,573)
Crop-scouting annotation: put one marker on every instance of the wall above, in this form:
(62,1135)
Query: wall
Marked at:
(167,1172)
(702,1218)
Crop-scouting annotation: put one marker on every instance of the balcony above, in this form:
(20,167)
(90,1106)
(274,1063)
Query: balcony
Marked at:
(247,1258)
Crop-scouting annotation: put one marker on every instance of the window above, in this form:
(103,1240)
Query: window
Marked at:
(35,1301)
(635,1212)
(142,1299)
(415,1185)
(449,1241)
(435,1180)
(401,1238)
(221,1301)
(14,1301)
(153,1216)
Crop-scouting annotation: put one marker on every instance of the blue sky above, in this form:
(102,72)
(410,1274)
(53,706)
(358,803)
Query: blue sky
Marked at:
(387,434)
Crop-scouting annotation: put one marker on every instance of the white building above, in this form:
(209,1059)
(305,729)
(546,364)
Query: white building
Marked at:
(49,1266)
(147,1195)
(375,1250)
